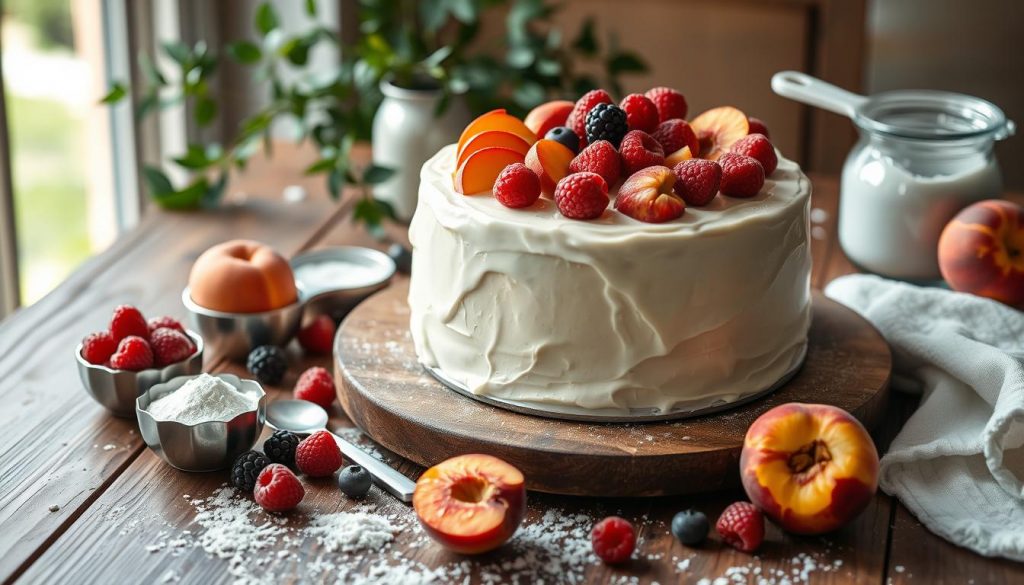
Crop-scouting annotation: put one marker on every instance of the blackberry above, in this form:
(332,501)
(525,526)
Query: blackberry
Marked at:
(268,364)
(565,136)
(280,448)
(246,469)
(606,122)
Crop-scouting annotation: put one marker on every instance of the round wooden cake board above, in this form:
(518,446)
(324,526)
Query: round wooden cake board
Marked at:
(385,390)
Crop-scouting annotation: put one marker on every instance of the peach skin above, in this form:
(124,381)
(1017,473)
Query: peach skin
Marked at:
(981,251)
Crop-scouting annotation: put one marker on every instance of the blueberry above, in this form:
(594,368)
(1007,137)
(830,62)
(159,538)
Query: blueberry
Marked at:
(354,481)
(402,257)
(564,136)
(690,527)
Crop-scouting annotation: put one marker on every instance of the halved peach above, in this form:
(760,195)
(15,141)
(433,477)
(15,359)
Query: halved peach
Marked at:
(550,160)
(496,120)
(478,172)
(471,503)
(718,128)
(548,115)
(678,156)
(491,138)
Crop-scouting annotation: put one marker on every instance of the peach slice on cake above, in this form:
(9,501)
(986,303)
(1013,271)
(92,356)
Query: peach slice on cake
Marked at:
(550,160)
(811,467)
(718,128)
(478,172)
(648,195)
(548,115)
(491,138)
(496,120)
(470,504)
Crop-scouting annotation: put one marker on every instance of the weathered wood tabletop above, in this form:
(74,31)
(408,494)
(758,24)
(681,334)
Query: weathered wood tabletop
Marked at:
(82,500)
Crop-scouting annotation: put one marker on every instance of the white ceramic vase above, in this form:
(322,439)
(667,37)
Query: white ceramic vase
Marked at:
(406,132)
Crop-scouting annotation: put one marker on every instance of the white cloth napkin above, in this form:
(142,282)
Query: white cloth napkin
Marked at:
(958,463)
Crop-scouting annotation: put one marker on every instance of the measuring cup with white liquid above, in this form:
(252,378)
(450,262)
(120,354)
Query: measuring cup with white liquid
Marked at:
(922,157)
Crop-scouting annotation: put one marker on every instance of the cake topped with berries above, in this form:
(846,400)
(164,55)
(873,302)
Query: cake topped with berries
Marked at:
(613,258)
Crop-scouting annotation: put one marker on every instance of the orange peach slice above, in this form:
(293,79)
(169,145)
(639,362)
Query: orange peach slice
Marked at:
(496,120)
(550,160)
(678,156)
(546,116)
(492,138)
(718,128)
(478,172)
(470,504)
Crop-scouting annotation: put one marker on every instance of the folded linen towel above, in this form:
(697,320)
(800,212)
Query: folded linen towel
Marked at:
(958,462)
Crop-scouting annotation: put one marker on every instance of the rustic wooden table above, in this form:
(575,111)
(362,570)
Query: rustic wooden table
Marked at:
(83,500)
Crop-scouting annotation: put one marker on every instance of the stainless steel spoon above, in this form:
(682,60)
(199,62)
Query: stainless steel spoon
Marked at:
(305,418)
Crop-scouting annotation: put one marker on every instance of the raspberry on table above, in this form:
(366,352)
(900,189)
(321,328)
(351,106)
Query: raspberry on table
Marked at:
(641,113)
(599,157)
(98,347)
(697,180)
(246,469)
(318,336)
(280,448)
(268,364)
(614,539)
(758,147)
(133,353)
(127,320)
(670,103)
(318,455)
(517,186)
(316,385)
(741,526)
(170,346)
(577,121)
(742,176)
(674,134)
(277,489)
(640,150)
(165,323)
(606,122)
(581,196)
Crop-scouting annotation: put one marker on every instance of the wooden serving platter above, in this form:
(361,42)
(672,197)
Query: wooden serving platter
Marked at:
(385,391)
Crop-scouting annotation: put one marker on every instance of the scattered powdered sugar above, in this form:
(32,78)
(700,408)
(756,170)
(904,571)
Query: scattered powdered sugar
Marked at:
(351,531)
(804,569)
(204,398)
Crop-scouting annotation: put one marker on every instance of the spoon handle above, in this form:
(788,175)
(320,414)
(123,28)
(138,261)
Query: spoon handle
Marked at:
(386,477)
(815,92)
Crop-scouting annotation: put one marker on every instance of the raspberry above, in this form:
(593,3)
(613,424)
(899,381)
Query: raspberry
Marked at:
(316,385)
(606,122)
(697,180)
(757,126)
(98,347)
(641,113)
(614,539)
(577,121)
(127,320)
(640,150)
(277,489)
(742,176)
(517,186)
(133,353)
(741,526)
(670,103)
(581,196)
(318,455)
(170,346)
(165,322)
(674,134)
(318,336)
(758,147)
(601,158)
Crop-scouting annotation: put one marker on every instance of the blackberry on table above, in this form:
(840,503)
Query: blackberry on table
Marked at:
(268,364)
(606,122)
(280,448)
(246,469)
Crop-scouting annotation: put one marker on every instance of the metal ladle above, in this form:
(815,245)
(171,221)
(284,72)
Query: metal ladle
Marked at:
(305,418)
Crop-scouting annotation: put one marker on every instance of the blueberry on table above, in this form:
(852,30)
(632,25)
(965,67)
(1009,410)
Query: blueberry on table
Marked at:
(354,481)
(690,527)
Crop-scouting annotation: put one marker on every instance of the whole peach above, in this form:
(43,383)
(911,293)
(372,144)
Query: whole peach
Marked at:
(981,251)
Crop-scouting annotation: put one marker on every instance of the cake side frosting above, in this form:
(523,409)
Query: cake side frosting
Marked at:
(612,313)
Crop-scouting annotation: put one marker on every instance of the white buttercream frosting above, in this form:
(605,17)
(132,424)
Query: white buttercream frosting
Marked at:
(613,313)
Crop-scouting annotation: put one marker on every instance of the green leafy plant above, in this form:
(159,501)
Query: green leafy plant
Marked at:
(414,44)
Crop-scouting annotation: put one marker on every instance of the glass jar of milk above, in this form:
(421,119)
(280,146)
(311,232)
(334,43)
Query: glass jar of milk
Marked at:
(915,166)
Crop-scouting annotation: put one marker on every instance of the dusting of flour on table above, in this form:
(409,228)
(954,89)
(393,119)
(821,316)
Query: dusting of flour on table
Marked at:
(201,399)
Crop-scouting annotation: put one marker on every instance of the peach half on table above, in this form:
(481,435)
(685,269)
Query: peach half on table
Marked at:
(810,467)
(477,173)
(648,195)
(981,251)
(718,128)
(547,116)
(495,120)
(470,504)
(550,160)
